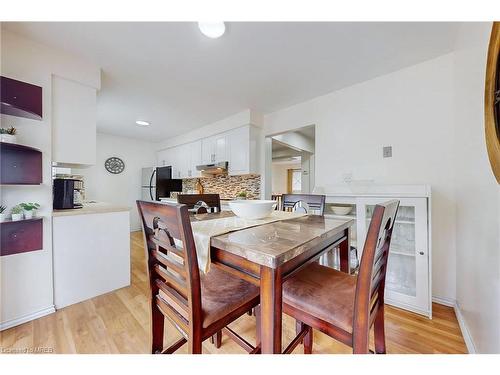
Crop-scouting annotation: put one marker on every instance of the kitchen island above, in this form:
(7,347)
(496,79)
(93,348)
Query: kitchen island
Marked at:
(91,250)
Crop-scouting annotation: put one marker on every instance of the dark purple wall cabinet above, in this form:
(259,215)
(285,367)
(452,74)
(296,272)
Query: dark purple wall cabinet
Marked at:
(21,236)
(20,165)
(20,99)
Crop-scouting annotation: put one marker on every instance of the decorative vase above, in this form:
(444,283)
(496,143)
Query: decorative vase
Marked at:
(16,217)
(9,138)
(29,214)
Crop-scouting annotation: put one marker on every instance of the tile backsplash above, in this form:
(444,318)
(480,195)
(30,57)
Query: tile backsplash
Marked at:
(226,186)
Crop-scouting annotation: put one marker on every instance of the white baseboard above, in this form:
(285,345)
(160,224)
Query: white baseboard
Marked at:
(444,301)
(26,318)
(471,348)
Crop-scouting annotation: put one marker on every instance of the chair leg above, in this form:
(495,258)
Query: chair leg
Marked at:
(157,329)
(257,325)
(194,346)
(298,328)
(216,339)
(308,341)
(379,332)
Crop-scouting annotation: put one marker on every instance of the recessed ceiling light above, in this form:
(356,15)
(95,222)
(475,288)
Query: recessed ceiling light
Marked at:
(142,123)
(212,29)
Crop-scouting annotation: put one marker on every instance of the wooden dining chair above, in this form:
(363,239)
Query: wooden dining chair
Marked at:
(307,203)
(340,305)
(203,202)
(198,305)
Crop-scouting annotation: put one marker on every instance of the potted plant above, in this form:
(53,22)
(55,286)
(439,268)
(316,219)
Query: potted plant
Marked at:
(17,213)
(242,195)
(3,216)
(29,209)
(8,135)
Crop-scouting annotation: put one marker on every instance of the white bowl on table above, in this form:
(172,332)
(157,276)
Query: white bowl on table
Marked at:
(252,209)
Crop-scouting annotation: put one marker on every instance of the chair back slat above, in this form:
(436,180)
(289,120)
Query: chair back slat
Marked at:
(172,263)
(307,203)
(372,271)
(165,248)
(173,295)
(171,279)
(169,263)
(173,315)
(211,202)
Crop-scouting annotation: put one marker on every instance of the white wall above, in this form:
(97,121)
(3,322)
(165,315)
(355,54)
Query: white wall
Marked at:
(477,195)
(26,279)
(411,110)
(124,188)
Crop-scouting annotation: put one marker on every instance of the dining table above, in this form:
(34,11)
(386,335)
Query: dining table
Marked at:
(267,255)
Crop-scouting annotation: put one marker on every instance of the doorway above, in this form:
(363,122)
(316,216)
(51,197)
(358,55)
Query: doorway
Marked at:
(291,162)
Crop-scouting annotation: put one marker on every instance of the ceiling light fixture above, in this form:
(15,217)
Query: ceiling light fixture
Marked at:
(212,29)
(142,123)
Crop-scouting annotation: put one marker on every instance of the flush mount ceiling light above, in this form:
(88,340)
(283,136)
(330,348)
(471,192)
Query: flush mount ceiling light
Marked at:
(142,123)
(212,29)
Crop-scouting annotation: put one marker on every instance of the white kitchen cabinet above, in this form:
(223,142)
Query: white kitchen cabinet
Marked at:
(243,147)
(214,149)
(408,279)
(239,147)
(183,159)
(194,150)
(169,157)
(73,122)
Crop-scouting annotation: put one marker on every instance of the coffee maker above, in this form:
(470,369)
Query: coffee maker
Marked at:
(67,193)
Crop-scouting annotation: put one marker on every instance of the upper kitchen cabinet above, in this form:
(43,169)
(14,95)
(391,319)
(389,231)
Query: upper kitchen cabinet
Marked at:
(183,159)
(214,149)
(194,150)
(74,122)
(20,99)
(243,145)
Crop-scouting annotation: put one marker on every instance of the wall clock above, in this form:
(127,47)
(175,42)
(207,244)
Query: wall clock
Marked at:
(492,101)
(114,165)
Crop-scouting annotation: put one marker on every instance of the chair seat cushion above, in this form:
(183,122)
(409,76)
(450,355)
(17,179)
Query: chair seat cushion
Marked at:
(223,293)
(324,293)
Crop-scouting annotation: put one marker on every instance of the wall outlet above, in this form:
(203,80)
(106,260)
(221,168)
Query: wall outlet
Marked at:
(387,151)
(347,177)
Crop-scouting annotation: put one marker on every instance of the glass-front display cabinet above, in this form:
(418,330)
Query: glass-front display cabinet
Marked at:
(408,272)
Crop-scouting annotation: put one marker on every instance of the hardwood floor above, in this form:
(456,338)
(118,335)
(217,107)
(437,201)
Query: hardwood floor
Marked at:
(118,322)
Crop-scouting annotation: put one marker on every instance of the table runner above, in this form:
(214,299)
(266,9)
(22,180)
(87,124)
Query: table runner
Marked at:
(204,230)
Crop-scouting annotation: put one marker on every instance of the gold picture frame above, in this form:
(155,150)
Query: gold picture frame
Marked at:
(492,101)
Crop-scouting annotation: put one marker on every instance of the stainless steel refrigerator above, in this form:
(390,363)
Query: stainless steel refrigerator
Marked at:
(157,182)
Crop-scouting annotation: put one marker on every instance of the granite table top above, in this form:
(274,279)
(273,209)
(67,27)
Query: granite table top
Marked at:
(273,244)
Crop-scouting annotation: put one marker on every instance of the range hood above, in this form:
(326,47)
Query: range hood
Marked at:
(212,169)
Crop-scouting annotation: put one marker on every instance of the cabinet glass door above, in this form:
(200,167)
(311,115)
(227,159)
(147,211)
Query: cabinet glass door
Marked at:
(407,276)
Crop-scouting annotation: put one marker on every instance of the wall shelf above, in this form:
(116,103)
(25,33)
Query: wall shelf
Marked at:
(20,99)
(21,236)
(20,165)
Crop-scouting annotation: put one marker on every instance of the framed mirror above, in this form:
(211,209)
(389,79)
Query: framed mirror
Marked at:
(492,101)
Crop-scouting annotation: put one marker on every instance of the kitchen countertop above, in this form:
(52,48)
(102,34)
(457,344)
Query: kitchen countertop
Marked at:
(91,208)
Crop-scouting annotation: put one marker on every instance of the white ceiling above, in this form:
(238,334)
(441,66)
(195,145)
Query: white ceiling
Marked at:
(171,75)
